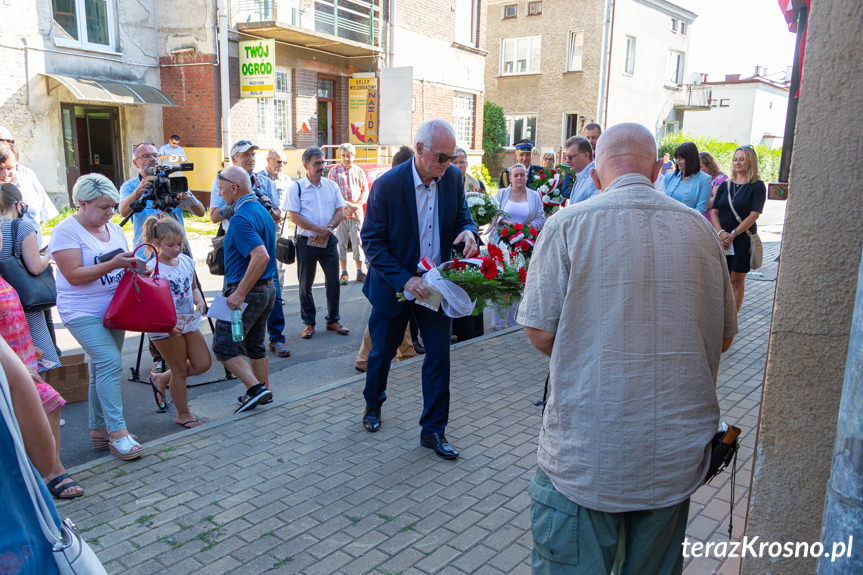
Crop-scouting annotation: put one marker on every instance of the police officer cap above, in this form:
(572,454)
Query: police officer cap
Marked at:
(524,145)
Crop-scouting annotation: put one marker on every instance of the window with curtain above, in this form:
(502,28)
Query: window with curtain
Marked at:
(519,127)
(574,51)
(520,55)
(274,114)
(629,64)
(466,22)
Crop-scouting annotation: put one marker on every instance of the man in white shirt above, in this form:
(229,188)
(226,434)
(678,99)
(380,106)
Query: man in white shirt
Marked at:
(317,207)
(579,157)
(172,152)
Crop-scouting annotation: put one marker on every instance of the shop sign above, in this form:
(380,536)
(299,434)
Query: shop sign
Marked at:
(363,110)
(257,69)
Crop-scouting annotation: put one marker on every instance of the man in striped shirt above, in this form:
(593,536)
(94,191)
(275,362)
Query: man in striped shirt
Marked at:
(355,189)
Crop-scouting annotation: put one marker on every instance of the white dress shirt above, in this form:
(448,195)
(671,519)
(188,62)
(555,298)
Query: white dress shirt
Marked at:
(316,203)
(427,217)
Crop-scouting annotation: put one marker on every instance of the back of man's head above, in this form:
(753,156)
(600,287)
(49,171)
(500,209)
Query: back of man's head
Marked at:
(238,176)
(626,149)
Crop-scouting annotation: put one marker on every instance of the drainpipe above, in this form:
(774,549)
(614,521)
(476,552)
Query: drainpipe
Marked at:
(392,23)
(602,104)
(224,70)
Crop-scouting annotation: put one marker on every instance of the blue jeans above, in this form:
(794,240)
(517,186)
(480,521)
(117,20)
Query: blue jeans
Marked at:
(276,321)
(104,347)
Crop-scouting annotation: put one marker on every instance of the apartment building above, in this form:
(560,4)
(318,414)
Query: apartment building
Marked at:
(556,65)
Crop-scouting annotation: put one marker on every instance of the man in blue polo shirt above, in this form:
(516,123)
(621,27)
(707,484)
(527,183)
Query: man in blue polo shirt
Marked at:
(243,156)
(250,272)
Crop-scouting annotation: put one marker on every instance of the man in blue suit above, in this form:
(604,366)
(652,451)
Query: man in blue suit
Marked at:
(416,210)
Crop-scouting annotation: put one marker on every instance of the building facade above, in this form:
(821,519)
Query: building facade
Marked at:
(82,86)
(746,110)
(556,65)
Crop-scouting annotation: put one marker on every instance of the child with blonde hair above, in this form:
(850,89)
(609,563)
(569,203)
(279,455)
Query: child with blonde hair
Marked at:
(184,348)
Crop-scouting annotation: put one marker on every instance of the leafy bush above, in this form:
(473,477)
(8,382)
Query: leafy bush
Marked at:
(482,174)
(768,160)
(493,128)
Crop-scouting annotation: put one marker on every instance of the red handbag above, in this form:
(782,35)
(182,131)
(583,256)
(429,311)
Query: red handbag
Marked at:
(141,303)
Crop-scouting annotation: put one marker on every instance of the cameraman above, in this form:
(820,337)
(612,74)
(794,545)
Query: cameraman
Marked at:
(145,158)
(243,156)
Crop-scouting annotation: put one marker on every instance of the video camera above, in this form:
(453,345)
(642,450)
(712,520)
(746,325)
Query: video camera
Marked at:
(165,191)
(264,200)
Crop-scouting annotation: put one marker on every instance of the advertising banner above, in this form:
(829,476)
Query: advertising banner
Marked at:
(258,69)
(363,110)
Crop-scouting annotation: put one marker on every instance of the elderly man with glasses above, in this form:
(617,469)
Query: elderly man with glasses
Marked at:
(316,206)
(416,211)
(250,272)
(243,156)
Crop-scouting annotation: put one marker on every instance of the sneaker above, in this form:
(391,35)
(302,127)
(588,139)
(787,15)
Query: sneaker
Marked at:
(280,349)
(343,279)
(256,395)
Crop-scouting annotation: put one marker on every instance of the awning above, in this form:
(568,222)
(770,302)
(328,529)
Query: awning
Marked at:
(111,91)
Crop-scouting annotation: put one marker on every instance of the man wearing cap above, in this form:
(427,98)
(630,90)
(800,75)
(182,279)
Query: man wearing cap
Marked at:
(243,156)
(39,206)
(523,153)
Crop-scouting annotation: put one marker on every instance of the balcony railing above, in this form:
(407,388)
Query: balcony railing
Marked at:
(355,20)
(693,97)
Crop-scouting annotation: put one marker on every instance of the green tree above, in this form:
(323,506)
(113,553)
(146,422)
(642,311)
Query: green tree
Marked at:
(493,128)
(768,160)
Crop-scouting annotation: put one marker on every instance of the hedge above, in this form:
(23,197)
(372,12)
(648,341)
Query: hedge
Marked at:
(768,160)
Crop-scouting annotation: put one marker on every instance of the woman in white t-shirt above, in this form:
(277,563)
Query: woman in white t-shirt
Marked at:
(91,255)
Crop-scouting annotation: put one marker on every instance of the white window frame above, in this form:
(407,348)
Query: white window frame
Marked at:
(503,15)
(533,42)
(266,110)
(511,119)
(575,51)
(463,115)
(674,24)
(466,22)
(527,5)
(629,59)
(83,42)
(683,28)
(676,68)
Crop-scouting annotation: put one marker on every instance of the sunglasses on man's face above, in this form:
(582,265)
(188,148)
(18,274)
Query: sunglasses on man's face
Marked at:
(443,158)
(7,141)
(224,179)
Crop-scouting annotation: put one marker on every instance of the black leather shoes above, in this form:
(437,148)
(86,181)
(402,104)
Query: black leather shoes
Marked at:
(372,419)
(437,441)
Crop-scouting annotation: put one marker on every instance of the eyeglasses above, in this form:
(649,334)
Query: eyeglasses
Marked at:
(7,141)
(443,158)
(318,163)
(147,156)
(224,179)
(279,162)
(569,157)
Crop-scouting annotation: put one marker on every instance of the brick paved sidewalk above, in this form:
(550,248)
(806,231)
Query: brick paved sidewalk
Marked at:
(300,487)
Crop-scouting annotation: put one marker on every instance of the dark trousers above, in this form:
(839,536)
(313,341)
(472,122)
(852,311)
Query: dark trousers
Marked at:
(276,321)
(386,334)
(308,258)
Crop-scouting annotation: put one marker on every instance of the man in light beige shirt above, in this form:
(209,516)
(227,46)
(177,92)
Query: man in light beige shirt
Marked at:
(628,292)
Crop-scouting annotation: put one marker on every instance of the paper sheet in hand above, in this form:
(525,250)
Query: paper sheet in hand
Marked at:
(433,300)
(219,308)
(319,241)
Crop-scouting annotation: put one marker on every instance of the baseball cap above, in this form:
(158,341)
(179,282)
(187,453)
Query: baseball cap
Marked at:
(242,146)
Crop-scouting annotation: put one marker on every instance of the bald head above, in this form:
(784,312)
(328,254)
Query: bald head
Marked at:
(238,176)
(626,149)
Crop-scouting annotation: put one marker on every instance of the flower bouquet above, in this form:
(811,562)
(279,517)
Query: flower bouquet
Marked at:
(494,278)
(483,207)
(549,184)
(519,238)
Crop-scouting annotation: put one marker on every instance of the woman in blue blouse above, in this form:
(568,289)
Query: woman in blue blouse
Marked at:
(688,184)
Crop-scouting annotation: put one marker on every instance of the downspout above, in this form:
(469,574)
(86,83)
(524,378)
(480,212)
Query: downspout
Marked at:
(392,24)
(225,88)
(604,73)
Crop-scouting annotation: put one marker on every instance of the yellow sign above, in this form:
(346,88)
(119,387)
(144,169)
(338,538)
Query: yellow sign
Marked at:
(257,69)
(363,110)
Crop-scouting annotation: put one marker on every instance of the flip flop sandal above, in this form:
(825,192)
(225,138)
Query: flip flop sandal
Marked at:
(56,489)
(122,448)
(189,424)
(161,404)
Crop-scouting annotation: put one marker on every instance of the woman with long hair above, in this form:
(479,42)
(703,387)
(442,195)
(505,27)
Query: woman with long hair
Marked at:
(748,194)
(687,183)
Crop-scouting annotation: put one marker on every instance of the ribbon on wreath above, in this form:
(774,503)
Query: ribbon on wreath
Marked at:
(455,301)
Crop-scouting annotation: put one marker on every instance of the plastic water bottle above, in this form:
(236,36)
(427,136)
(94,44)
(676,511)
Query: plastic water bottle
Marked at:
(237,324)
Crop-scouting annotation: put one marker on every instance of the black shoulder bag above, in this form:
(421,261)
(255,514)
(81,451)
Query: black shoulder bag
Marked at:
(286,248)
(37,292)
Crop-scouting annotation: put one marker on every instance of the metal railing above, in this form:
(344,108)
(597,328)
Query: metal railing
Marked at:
(693,96)
(356,20)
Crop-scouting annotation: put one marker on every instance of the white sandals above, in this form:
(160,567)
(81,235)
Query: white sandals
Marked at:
(125,448)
